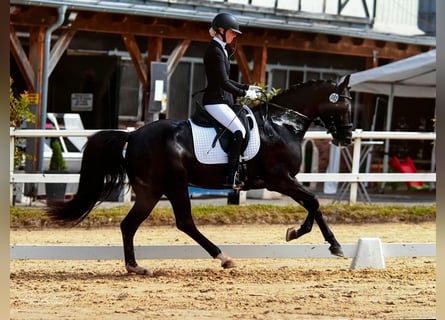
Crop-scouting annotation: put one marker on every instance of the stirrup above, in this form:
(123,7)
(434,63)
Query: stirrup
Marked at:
(237,186)
(234,182)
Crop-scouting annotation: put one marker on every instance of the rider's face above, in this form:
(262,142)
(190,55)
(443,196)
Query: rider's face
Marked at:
(230,35)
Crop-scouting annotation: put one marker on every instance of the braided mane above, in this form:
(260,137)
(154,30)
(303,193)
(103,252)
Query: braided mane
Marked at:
(309,83)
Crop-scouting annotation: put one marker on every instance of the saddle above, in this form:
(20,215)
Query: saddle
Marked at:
(202,118)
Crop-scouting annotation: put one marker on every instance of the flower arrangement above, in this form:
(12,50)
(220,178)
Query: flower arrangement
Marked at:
(19,113)
(267,95)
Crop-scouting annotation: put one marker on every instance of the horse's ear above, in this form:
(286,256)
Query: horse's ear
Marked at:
(344,84)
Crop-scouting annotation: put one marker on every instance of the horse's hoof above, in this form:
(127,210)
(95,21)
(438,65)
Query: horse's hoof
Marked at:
(290,234)
(336,251)
(137,270)
(228,263)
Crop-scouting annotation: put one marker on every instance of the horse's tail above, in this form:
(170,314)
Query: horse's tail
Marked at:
(102,171)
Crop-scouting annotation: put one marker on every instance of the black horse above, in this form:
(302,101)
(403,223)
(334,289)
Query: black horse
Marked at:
(159,159)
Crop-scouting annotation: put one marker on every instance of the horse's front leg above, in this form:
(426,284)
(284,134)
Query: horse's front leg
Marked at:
(180,201)
(335,247)
(306,227)
(309,201)
(294,233)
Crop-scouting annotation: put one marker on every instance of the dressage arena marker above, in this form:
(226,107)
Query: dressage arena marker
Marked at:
(369,254)
(360,251)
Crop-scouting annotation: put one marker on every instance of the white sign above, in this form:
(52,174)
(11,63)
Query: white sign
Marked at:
(159,90)
(81,102)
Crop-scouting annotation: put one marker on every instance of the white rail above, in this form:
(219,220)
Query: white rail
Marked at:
(354,177)
(251,251)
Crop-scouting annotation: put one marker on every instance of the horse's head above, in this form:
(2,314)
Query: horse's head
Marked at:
(324,102)
(334,113)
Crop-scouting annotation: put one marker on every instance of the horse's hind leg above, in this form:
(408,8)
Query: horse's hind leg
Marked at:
(180,201)
(138,213)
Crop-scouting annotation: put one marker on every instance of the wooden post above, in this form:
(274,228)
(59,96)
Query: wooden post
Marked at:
(36,56)
(243,65)
(259,64)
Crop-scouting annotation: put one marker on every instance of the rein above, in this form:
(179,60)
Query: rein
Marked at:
(287,110)
(296,116)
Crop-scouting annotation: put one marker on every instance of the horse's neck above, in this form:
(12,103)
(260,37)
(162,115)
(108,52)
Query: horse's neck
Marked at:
(297,123)
(280,122)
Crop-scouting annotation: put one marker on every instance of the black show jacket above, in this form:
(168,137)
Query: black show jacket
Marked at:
(220,88)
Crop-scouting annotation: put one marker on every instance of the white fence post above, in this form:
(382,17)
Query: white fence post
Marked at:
(11,165)
(355,169)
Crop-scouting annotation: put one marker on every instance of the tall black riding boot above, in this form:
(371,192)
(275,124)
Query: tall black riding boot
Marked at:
(232,178)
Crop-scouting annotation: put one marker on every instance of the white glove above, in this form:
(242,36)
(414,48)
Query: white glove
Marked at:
(252,94)
(255,88)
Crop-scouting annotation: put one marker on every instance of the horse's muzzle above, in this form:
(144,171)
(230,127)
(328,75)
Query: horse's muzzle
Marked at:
(343,136)
(341,143)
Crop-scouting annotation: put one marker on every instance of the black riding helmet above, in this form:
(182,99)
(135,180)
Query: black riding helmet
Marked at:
(226,21)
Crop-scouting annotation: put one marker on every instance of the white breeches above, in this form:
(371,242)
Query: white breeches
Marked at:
(226,116)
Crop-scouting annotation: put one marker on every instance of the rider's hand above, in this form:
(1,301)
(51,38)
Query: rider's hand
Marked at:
(252,94)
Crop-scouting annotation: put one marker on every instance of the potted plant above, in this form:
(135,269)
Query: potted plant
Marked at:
(55,192)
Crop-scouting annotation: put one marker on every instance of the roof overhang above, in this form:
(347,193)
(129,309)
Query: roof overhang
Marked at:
(249,16)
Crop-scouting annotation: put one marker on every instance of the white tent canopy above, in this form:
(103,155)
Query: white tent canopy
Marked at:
(411,77)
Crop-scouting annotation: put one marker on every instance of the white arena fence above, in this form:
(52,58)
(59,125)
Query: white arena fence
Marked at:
(364,256)
(354,177)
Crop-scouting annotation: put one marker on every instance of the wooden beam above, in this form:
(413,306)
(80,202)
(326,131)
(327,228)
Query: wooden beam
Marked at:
(165,28)
(322,43)
(30,16)
(259,64)
(154,49)
(36,55)
(59,48)
(136,57)
(243,64)
(21,59)
(176,56)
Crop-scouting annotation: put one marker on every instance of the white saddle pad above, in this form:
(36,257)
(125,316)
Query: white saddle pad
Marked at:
(203,139)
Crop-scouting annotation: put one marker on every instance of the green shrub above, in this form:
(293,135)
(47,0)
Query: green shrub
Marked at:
(57,163)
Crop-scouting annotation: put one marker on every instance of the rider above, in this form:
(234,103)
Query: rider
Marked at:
(220,92)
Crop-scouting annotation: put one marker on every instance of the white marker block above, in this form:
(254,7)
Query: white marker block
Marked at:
(369,254)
